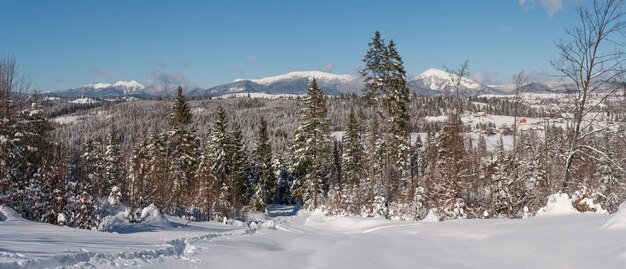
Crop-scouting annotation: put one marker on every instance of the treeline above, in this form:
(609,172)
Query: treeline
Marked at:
(375,167)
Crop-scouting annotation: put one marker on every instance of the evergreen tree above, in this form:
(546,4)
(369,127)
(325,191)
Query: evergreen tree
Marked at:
(265,188)
(181,113)
(218,150)
(114,170)
(238,156)
(92,166)
(138,174)
(311,148)
(502,183)
(285,181)
(397,96)
(447,187)
(157,185)
(183,154)
(353,151)
(207,185)
(375,59)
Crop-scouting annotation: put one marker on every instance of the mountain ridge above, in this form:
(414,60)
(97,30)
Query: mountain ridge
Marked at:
(431,82)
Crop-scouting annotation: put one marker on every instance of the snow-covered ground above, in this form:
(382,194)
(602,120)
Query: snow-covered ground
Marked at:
(313,240)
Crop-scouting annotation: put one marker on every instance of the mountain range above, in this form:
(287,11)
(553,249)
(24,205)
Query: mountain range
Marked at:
(431,82)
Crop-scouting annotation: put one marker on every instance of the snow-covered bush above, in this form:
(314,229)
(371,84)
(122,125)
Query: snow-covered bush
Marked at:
(380,206)
(558,204)
(432,216)
(585,201)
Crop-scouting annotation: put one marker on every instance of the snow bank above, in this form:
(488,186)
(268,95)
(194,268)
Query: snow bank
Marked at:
(558,204)
(152,215)
(151,219)
(319,219)
(8,214)
(618,220)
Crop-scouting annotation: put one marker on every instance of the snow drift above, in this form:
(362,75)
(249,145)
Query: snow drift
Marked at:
(9,214)
(618,220)
(151,219)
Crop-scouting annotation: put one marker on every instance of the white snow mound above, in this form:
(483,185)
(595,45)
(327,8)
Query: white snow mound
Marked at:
(9,214)
(431,216)
(558,204)
(618,220)
(152,215)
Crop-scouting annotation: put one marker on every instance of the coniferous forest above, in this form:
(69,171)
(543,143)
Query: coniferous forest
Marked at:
(373,153)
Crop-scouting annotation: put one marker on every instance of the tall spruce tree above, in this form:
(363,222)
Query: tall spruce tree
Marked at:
(181,113)
(447,186)
(265,188)
(114,170)
(311,148)
(218,153)
(183,154)
(238,156)
(397,101)
(353,152)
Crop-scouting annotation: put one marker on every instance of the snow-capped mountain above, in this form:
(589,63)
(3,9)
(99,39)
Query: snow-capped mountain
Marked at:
(432,82)
(129,85)
(441,81)
(107,90)
(290,83)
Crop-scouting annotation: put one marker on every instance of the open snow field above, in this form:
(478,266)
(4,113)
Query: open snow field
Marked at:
(313,240)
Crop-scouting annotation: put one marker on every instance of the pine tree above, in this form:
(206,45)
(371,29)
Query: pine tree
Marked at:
(353,151)
(33,170)
(502,183)
(114,170)
(238,157)
(181,113)
(374,59)
(447,187)
(183,154)
(397,101)
(138,174)
(207,184)
(285,181)
(311,148)
(92,166)
(375,75)
(265,188)
(157,185)
(218,154)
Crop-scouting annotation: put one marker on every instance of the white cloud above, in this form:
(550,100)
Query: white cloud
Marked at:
(327,67)
(160,77)
(101,74)
(487,77)
(551,6)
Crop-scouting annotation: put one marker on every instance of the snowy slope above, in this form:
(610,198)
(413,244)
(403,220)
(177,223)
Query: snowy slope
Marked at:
(321,77)
(293,83)
(314,240)
(26,244)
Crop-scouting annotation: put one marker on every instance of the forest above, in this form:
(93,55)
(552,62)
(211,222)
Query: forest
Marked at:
(364,154)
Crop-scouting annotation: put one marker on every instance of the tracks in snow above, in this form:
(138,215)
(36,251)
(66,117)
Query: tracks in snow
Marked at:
(179,247)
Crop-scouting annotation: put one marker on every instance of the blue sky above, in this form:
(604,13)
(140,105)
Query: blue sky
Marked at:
(65,44)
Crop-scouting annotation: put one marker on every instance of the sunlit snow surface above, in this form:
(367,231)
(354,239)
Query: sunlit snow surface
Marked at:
(313,240)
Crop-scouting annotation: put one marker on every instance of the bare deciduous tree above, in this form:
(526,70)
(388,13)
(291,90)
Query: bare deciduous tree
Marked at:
(590,62)
(12,86)
(520,82)
(456,77)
